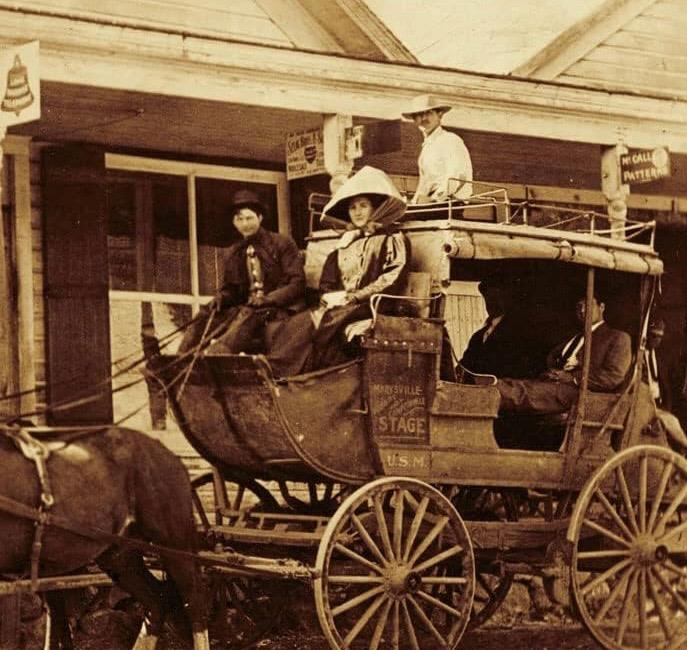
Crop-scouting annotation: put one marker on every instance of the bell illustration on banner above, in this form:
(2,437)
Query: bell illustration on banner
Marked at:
(18,95)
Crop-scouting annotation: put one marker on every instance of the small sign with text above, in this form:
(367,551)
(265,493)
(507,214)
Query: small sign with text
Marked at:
(644,165)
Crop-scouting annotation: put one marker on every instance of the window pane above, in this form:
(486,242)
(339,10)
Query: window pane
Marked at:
(148,247)
(170,218)
(215,230)
(121,235)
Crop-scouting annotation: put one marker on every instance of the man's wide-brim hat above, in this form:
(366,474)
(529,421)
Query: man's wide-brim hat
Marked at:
(423,103)
(369,181)
(247,199)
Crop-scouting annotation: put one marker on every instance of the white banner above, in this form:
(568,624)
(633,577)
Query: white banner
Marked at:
(20,86)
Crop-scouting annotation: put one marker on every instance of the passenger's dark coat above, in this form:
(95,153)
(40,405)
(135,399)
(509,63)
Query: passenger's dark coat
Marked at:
(505,353)
(610,361)
(282,269)
(239,327)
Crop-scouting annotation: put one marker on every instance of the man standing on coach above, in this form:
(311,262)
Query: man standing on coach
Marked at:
(263,282)
(444,164)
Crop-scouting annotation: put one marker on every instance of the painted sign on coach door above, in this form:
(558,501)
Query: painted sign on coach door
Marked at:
(644,165)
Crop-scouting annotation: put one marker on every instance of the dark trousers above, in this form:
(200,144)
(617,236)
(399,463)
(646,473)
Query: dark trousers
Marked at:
(533,395)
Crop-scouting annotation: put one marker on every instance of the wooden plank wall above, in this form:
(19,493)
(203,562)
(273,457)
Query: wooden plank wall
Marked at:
(37,259)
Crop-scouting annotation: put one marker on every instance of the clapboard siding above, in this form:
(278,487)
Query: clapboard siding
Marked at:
(37,262)
(648,55)
(235,19)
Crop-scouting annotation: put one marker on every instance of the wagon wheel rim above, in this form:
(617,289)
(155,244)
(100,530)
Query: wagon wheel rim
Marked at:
(245,491)
(487,504)
(322,498)
(629,558)
(395,569)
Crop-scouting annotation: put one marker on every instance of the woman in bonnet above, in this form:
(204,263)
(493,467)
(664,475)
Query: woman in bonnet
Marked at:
(370,257)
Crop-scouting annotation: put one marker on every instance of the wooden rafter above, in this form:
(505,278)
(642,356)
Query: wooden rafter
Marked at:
(575,42)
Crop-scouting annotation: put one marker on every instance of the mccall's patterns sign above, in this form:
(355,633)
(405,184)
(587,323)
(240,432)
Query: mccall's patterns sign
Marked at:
(644,165)
(304,154)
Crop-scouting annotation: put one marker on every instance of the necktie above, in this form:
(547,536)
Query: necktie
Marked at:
(569,349)
(255,279)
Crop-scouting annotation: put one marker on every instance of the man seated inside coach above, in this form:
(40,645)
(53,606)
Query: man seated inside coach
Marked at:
(502,346)
(555,390)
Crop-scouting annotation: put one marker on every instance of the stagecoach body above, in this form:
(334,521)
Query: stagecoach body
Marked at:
(419,513)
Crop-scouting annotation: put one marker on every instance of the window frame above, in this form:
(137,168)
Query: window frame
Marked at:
(191,171)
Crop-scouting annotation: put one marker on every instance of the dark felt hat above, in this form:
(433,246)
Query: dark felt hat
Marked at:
(246,199)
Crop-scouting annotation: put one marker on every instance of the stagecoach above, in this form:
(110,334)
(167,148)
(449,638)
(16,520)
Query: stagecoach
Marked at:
(407,499)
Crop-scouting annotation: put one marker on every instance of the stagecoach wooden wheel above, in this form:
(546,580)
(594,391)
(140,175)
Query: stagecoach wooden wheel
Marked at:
(396,569)
(629,558)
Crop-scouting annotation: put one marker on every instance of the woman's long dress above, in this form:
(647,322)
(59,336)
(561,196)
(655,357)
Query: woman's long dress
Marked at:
(362,265)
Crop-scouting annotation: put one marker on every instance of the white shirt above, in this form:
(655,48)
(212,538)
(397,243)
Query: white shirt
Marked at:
(652,374)
(573,361)
(443,156)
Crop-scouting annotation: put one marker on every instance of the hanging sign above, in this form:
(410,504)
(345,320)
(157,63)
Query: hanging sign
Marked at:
(304,154)
(644,165)
(20,99)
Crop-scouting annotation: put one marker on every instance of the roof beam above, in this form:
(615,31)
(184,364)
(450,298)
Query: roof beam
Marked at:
(161,63)
(299,25)
(582,37)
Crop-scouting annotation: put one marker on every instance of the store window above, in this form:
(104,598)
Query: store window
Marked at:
(169,226)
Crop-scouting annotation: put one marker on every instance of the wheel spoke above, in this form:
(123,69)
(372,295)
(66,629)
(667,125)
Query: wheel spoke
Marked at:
(426,622)
(596,555)
(674,504)
(620,477)
(398,522)
(449,552)
(357,558)
(672,533)
(429,538)
(642,604)
(444,580)
(312,492)
(625,612)
(613,513)
(409,626)
(674,568)
(605,532)
(643,464)
(368,540)
(653,592)
(437,603)
(355,580)
(381,624)
(383,529)
(328,491)
(364,620)
(354,602)
(660,493)
(670,589)
(396,622)
(415,527)
(604,576)
(613,596)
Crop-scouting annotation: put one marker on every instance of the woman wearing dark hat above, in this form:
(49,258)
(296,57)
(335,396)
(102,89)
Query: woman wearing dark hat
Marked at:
(369,258)
(263,281)
(444,163)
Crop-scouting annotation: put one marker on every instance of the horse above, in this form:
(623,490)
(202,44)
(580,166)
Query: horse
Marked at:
(118,482)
